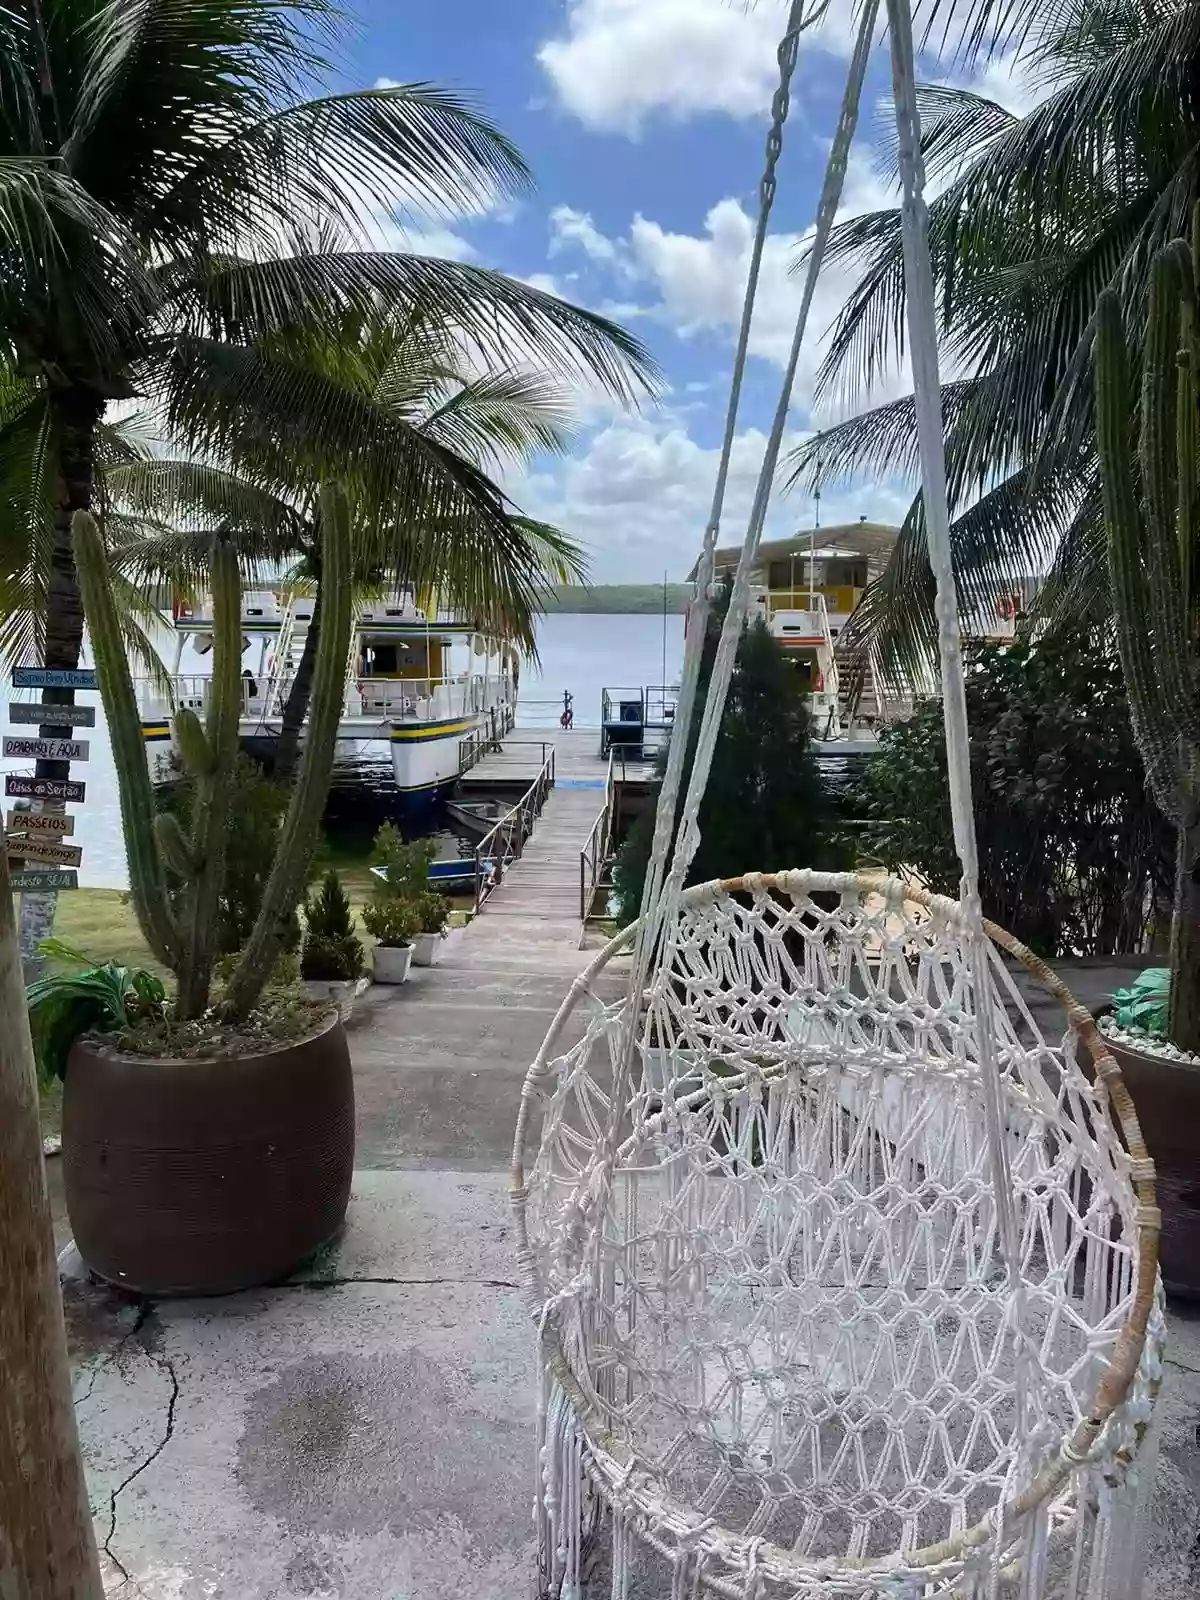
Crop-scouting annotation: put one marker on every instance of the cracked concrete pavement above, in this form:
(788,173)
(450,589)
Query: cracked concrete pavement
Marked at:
(365,1432)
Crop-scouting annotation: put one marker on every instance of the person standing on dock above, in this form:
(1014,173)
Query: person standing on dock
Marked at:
(567,720)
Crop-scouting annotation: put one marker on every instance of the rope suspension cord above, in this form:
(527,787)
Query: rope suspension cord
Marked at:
(922,327)
(788,53)
(660,896)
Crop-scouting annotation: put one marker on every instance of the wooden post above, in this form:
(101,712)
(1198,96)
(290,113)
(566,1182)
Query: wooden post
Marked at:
(47,1547)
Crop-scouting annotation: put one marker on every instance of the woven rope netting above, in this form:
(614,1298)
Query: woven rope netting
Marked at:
(845,1275)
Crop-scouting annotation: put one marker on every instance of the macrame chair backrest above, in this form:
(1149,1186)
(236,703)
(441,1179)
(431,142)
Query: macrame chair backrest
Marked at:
(793,1279)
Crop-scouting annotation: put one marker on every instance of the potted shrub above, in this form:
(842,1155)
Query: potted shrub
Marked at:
(1151,503)
(210,1145)
(394,923)
(331,957)
(435,920)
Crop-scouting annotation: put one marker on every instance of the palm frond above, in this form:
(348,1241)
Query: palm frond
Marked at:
(198,492)
(413,148)
(504,321)
(501,418)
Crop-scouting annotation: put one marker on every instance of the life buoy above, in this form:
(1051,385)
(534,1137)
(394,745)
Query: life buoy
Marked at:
(819,682)
(1007,608)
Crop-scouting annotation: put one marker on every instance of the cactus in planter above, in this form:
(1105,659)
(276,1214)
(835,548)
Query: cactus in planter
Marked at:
(186,941)
(1151,506)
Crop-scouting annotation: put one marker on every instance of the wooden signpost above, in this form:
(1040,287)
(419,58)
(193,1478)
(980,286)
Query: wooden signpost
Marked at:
(44,882)
(57,716)
(36,839)
(47,749)
(18,787)
(30,848)
(53,822)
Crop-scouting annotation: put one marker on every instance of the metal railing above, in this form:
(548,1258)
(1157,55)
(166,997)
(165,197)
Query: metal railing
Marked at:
(597,852)
(505,843)
(264,694)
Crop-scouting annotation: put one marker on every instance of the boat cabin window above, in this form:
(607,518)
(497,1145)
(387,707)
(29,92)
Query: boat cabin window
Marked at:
(381,661)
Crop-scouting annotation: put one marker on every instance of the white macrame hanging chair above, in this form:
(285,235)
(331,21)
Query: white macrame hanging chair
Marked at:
(845,1279)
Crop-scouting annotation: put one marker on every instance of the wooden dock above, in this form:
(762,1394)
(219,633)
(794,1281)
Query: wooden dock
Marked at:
(532,917)
(577,761)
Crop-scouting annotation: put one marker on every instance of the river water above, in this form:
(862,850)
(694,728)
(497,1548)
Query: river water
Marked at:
(583,654)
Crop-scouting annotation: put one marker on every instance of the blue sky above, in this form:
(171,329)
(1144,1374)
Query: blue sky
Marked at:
(643,121)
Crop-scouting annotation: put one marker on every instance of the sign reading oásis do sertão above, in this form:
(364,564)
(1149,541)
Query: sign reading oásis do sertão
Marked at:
(19,787)
(54,678)
(42,822)
(43,882)
(31,848)
(55,716)
(46,749)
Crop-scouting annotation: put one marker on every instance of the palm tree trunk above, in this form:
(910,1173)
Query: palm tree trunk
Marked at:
(47,1547)
(77,414)
(296,706)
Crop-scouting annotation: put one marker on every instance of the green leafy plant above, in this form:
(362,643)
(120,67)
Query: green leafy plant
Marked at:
(1143,1007)
(1072,859)
(331,950)
(404,865)
(392,921)
(1151,505)
(435,912)
(766,805)
(98,997)
(183,929)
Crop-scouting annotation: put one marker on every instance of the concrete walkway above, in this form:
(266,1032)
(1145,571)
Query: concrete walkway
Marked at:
(365,1431)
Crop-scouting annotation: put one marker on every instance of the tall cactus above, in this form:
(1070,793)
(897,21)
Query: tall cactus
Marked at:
(298,836)
(1151,501)
(186,940)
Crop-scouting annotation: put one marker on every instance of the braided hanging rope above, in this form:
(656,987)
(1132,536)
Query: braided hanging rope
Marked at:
(660,897)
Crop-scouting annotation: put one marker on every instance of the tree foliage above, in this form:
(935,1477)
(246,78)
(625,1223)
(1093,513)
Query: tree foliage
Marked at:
(1074,857)
(766,807)
(1034,217)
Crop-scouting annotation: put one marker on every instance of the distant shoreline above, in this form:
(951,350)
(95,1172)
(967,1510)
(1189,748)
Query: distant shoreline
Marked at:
(617,599)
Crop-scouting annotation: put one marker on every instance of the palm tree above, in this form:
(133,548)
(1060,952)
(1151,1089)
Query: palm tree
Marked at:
(157,158)
(398,380)
(1035,218)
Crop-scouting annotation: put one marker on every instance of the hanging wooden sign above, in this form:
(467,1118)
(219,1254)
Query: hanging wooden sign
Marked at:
(28,848)
(43,882)
(41,822)
(56,716)
(19,787)
(54,678)
(47,749)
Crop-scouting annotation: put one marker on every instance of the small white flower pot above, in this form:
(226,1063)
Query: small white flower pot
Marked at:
(392,962)
(428,949)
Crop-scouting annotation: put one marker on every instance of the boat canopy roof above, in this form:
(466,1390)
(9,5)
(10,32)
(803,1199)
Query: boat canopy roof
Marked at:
(870,539)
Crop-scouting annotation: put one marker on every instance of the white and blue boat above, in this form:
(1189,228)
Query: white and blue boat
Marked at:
(428,685)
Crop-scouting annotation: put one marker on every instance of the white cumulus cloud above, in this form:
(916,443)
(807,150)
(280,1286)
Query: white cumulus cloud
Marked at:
(637,494)
(619,61)
(698,280)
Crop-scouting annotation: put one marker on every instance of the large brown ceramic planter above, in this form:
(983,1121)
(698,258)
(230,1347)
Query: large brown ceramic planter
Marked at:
(1167,1096)
(201,1177)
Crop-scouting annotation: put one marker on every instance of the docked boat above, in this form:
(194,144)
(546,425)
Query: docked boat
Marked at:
(427,684)
(807,588)
(455,876)
(478,818)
